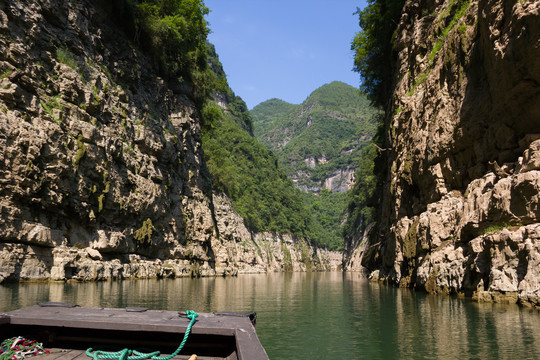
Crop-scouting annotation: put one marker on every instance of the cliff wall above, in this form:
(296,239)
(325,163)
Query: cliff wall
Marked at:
(101,169)
(460,207)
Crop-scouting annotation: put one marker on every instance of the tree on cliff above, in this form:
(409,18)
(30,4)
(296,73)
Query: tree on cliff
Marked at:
(173,33)
(361,207)
(373,47)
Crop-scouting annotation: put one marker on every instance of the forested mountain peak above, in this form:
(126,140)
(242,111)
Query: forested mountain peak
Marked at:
(336,95)
(274,102)
(319,138)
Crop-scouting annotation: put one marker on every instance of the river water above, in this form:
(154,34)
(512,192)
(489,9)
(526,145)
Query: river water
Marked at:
(322,315)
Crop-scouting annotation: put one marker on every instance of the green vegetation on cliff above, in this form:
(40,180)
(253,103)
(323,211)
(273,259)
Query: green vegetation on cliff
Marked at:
(362,198)
(327,210)
(374,47)
(251,176)
(374,60)
(173,34)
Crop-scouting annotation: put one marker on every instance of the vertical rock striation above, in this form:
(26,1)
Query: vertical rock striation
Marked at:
(101,169)
(460,206)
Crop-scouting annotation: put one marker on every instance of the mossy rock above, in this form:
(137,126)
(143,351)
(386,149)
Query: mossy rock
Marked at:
(411,240)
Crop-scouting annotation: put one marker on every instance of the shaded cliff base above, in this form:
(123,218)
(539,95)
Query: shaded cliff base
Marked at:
(265,253)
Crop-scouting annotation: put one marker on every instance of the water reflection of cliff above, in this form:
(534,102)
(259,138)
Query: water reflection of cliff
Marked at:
(245,293)
(405,325)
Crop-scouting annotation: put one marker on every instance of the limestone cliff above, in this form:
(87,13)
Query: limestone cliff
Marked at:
(101,169)
(460,204)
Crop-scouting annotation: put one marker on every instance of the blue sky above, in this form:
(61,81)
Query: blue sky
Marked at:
(284,48)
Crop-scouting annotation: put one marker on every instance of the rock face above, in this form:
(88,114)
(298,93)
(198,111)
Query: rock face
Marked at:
(339,181)
(460,207)
(101,169)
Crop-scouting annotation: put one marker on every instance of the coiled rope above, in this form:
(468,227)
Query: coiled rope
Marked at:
(19,348)
(127,354)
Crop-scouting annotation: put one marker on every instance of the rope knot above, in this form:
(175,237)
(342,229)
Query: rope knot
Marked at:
(191,315)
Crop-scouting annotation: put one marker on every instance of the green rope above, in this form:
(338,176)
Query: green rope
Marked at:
(127,354)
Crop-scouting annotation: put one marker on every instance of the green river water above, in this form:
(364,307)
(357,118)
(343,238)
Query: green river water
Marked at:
(322,315)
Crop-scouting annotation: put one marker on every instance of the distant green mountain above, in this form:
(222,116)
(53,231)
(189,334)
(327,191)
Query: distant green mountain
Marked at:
(318,142)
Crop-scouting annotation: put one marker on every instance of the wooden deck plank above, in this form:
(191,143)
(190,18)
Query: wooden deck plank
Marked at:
(97,315)
(247,348)
(65,355)
(119,319)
